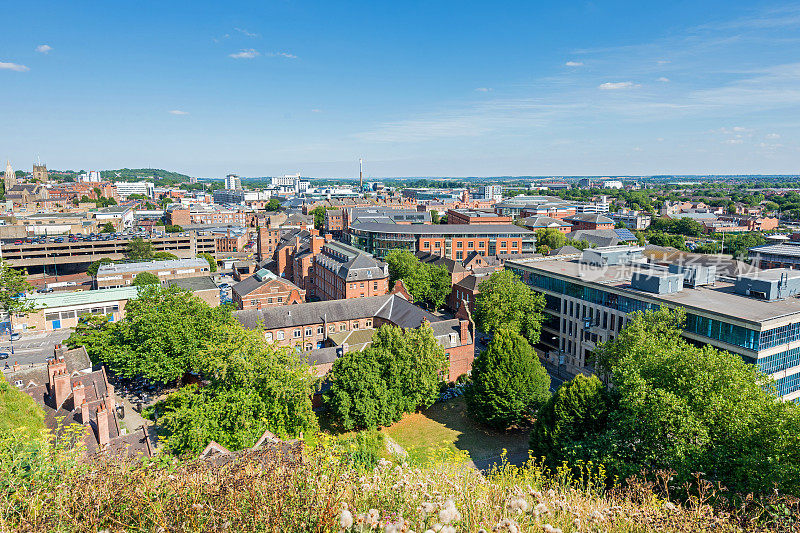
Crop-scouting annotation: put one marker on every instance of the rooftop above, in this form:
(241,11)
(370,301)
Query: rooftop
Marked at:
(169,264)
(198,283)
(62,299)
(718,299)
(450,229)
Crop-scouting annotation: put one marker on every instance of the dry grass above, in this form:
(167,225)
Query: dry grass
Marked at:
(447,426)
(255,494)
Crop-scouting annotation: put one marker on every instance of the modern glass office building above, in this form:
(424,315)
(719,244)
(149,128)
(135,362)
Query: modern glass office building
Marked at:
(589,303)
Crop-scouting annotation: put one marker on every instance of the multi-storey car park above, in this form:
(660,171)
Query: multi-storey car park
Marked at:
(755,315)
(454,241)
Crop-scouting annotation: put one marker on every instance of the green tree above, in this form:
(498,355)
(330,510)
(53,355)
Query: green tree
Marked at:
(13,284)
(108,227)
(425,282)
(165,201)
(173,228)
(139,249)
(212,263)
(577,411)
(163,256)
(506,302)
(688,409)
(435,217)
(402,264)
(550,238)
(273,205)
(508,381)
(145,278)
(160,338)
(398,373)
(252,387)
(319,216)
(94,267)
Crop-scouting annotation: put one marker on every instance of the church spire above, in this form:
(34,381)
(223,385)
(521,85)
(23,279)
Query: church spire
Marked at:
(10,179)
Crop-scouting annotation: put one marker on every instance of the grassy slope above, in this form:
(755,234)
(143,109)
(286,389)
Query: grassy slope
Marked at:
(18,410)
(447,425)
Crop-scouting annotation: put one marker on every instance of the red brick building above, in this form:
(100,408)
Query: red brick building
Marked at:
(265,289)
(327,330)
(341,272)
(266,242)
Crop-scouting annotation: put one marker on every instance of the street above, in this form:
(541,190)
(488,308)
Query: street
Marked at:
(32,347)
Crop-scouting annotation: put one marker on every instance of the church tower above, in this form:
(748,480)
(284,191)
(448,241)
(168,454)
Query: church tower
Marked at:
(40,173)
(10,179)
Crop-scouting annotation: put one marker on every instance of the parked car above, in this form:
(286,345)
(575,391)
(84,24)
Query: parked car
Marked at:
(15,336)
(4,355)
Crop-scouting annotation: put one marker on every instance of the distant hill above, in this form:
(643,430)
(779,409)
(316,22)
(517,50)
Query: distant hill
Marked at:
(161,176)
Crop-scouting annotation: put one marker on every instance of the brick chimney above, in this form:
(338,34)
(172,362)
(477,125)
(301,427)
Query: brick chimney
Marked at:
(84,412)
(62,387)
(464,330)
(55,366)
(316,245)
(111,399)
(328,237)
(103,437)
(78,394)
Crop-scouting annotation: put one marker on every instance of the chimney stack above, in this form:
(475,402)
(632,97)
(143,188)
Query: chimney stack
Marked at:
(78,394)
(316,244)
(103,437)
(61,388)
(464,330)
(84,412)
(55,366)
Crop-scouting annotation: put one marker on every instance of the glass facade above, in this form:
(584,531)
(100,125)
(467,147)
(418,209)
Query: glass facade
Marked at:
(779,361)
(722,331)
(781,335)
(788,384)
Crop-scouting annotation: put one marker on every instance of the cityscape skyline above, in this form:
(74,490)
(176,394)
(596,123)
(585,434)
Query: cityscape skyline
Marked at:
(416,90)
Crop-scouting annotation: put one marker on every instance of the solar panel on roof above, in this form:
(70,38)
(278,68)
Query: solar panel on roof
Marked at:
(625,234)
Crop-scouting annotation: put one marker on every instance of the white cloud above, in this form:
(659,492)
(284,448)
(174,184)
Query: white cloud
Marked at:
(316,110)
(660,139)
(773,136)
(245,53)
(13,66)
(613,86)
(663,61)
(733,141)
(637,149)
(574,63)
(282,54)
(663,79)
(177,112)
(483,89)
(247,33)
(43,48)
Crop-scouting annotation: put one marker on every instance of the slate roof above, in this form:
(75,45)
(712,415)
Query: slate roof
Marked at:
(251,283)
(391,307)
(599,237)
(351,264)
(451,265)
(76,360)
(542,222)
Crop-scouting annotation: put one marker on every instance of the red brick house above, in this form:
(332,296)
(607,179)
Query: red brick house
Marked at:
(265,289)
(589,221)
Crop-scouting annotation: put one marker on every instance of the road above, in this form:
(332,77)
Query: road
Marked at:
(32,347)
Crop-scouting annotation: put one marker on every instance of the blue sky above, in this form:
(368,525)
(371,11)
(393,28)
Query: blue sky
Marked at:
(416,88)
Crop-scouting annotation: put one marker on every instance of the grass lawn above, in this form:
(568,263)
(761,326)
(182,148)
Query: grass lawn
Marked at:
(18,410)
(446,425)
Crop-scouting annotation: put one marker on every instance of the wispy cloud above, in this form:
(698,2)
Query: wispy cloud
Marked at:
(13,66)
(483,89)
(773,136)
(574,63)
(663,79)
(245,53)
(44,48)
(220,39)
(316,110)
(286,55)
(247,33)
(733,141)
(617,85)
(177,112)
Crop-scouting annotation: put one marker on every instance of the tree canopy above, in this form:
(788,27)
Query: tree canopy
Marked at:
(138,249)
(273,205)
(675,406)
(398,373)
(508,381)
(145,278)
(108,227)
(13,283)
(506,302)
(425,282)
(212,263)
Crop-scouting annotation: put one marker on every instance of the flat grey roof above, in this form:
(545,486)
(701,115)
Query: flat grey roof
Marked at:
(117,268)
(718,299)
(423,229)
(789,250)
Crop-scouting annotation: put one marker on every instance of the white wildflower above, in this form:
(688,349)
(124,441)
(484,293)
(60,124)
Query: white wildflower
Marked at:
(346,519)
(669,506)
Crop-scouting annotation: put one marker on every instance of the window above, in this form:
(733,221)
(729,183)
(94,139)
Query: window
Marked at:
(459,244)
(268,336)
(308,332)
(355,325)
(375,286)
(308,347)
(280,299)
(279,335)
(342,327)
(362,284)
(459,255)
(331,329)
(296,333)
(369,324)
(470,245)
(426,244)
(320,330)
(253,302)
(481,244)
